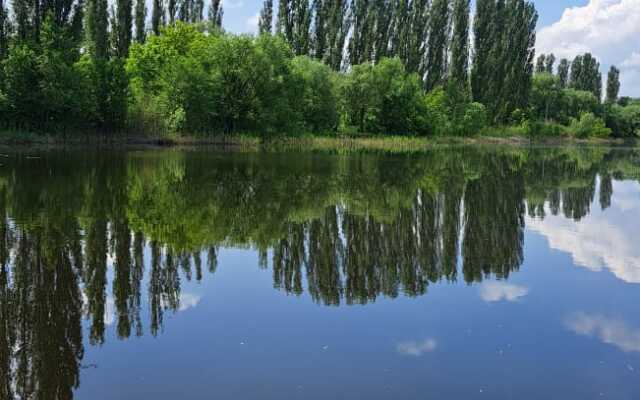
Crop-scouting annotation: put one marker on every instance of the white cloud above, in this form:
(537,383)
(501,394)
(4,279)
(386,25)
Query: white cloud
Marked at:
(632,62)
(600,240)
(497,291)
(252,23)
(609,29)
(230,4)
(188,300)
(417,348)
(609,330)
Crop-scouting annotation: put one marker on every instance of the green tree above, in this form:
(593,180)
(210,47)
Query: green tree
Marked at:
(460,42)
(613,84)
(157,16)
(540,64)
(563,72)
(266,18)
(140,21)
(384,98)
(4,31)
(315,84)
(438,36)
(124,25)
(216,13)
(360,42)
(549,63)
(483,40)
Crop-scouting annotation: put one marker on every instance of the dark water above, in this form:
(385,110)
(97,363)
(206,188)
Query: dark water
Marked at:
(463,273)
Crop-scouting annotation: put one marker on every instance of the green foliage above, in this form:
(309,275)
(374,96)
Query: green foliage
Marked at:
(624,121)
(546,94)
(449,112)
(575,102)
(384,98)
(588,126)
(317,106)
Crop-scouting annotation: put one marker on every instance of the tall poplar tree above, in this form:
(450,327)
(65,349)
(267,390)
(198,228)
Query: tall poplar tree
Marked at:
(549,63)
(97,29)
(338,25)
(521,19)
(157,16)
(613,84)
(216,13)
(4,34)
(483,36)
(460,42)
(140,21)
(294,24)
(124,27)
(585,75)
(171,11)
(563,72)
(383,11)
(320,25)
(438,35)
(540,63)
(23,11)
(361,43)
(266,18)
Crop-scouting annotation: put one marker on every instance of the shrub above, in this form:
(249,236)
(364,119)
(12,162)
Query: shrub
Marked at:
(588,126)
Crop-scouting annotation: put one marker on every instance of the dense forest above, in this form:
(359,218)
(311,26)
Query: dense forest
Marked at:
(401,67)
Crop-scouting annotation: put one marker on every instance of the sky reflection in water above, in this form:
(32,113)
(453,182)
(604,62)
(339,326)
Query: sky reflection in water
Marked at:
(454,273)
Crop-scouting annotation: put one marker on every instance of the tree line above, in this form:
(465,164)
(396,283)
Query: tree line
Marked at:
(321,66)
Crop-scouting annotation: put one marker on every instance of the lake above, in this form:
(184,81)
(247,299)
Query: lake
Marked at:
(453,273)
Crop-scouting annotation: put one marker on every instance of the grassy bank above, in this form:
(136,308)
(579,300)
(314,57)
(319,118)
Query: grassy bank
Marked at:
(389,143)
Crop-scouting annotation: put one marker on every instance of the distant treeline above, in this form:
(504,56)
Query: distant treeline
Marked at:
(358,66)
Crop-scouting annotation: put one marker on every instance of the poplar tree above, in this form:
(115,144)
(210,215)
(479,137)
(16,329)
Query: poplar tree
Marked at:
(438,35)
(549,63)
(197,13)
(23,11)
(521,19)
(498,58)
(540,64)
(613,84)
(481,65)
(563,73)
(460,42)
(124,27)
(97,29)
(215,13)
(171,11)
(361,43)
(383,11)
(157,16)
(585,75)
(4,34)
(336,31)
(320,25)
(294,24)
(140,20)
(266,18)
(411,31)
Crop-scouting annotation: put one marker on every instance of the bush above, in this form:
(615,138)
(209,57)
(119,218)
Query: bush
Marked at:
(315,89)
(588,126)
(384,98)
(624,121)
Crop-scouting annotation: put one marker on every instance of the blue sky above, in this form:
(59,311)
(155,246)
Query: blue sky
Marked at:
(610,29)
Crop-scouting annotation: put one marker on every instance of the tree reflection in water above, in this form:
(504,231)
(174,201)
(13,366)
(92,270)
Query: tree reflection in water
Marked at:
(345,229)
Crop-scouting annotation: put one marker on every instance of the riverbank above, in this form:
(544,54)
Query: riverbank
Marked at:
(304,143)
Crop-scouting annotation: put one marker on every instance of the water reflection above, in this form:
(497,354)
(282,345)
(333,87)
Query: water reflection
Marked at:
(100,235)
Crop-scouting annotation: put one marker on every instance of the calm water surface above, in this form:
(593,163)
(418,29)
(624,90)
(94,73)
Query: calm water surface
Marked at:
(461,273)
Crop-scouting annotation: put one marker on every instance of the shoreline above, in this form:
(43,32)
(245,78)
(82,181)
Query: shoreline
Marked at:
(302,143)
